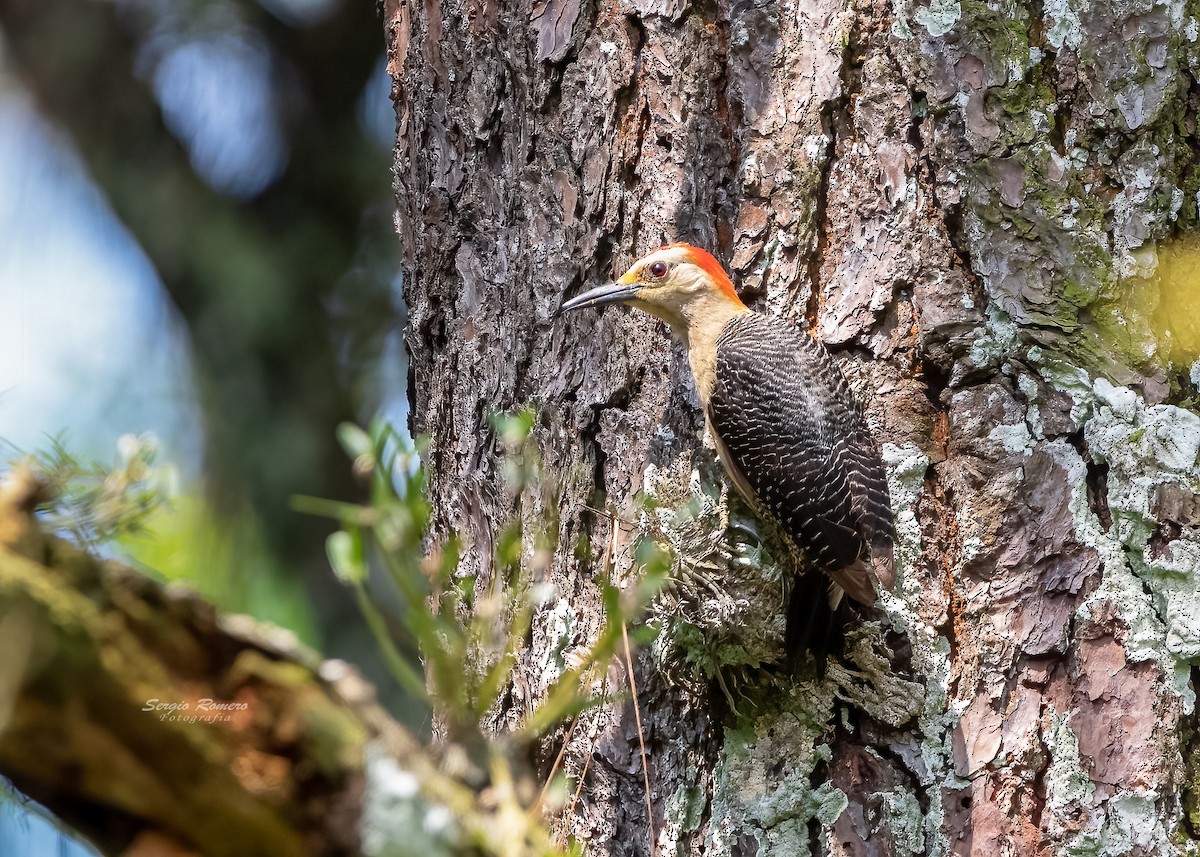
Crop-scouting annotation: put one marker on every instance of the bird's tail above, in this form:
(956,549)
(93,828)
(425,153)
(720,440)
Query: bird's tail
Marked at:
(817,615)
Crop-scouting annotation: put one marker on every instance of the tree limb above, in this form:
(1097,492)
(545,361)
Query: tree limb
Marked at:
(153,723)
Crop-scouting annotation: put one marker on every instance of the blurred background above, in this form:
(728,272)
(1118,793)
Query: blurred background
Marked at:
(196,249)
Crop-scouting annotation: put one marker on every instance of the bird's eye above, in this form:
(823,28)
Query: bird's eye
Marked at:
(657,270)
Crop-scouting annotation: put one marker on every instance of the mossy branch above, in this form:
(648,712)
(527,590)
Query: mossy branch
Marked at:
(145,718)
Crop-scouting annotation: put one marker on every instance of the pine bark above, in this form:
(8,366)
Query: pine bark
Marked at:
(967,202)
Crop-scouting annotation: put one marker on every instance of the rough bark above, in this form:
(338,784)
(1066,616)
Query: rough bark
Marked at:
(965,200)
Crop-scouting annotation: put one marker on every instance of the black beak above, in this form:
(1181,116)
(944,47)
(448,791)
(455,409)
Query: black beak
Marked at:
(609,294)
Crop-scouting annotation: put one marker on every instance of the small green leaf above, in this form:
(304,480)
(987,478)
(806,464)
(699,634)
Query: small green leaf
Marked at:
(346,557)
(641,635)
(355,441)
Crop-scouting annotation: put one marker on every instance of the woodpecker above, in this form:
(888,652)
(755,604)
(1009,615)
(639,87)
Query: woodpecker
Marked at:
(786,425)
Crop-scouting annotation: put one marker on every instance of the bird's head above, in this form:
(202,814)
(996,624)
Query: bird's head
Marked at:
(679,283)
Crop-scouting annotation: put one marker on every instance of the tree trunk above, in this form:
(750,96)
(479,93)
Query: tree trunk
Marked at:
(967,202)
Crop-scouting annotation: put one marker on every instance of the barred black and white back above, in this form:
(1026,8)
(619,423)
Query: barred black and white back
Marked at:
(794,440)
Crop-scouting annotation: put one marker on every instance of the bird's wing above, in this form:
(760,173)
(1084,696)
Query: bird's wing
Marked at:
(871,502)
(790,428)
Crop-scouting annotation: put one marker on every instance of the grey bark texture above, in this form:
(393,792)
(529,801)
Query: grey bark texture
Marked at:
(967,202)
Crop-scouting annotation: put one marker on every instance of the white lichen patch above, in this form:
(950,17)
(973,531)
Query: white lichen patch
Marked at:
(755,796)
(682,815)
(939,17)
(999,335)
(1137,212)
(561,625)
(1072,380)
(1163,435)
(900,28)
(1132,826)
(1062,24)
(1068,786)
(1033,413)
(396,819)
(906,466)
(1145,447)
(1118,585)
(902,817)
(936,717)
(1014,438)
(1148,450)
(1175,576)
